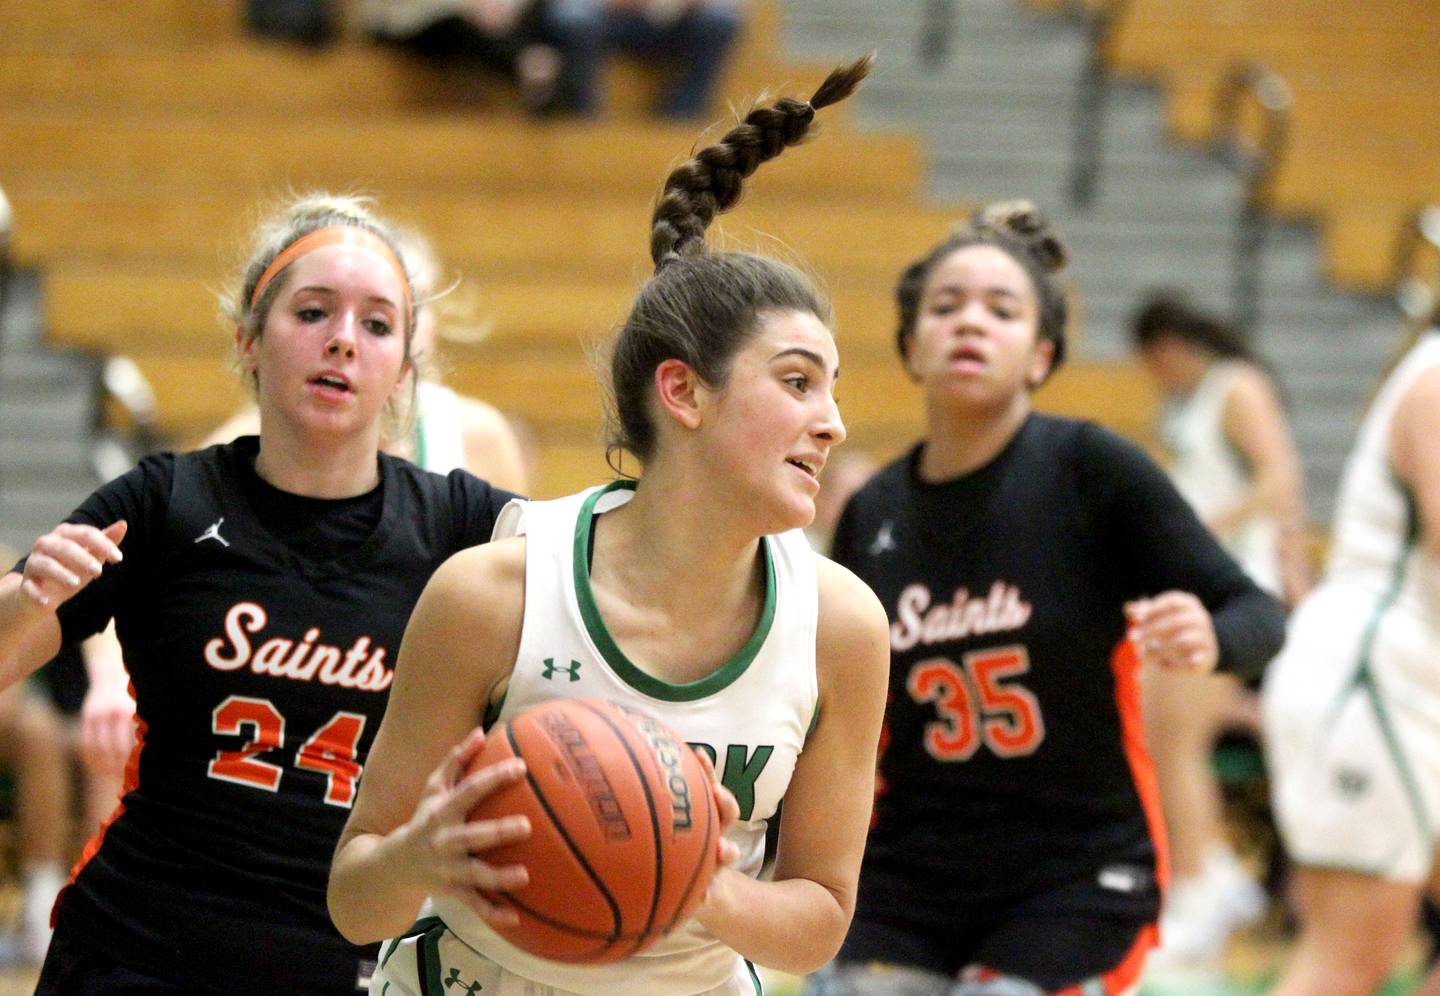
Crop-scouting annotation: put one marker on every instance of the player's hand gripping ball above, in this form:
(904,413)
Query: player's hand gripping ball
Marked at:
(624,829)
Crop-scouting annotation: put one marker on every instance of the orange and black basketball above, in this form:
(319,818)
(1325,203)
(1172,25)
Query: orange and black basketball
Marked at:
(624,828)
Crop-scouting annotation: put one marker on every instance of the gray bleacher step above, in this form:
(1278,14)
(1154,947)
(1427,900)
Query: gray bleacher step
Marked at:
(997,121)
(32,452)
(36,409)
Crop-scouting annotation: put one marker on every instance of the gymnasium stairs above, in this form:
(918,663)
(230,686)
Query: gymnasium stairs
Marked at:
(998,121)
(137,139)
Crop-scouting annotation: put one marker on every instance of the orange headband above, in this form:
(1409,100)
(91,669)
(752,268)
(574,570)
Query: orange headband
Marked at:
(335,235)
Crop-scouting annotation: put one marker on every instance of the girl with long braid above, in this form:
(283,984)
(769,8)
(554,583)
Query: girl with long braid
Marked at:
(703,604)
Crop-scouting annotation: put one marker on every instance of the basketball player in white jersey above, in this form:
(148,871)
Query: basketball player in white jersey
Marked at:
(691,593)
(1230,452)
(1352,705)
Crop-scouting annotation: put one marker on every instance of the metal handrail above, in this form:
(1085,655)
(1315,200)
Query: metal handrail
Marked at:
(937,24)
(7,227)
(1417,296)
(1256,166)
(1099,19)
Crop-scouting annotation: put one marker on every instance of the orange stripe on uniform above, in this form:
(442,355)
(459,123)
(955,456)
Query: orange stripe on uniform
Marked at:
(132,781)
(1125,663)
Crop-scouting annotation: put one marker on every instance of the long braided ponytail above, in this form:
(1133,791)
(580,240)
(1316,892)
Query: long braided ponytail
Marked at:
(700,307)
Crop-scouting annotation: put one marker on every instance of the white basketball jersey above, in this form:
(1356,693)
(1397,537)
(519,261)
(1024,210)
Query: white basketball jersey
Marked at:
(439,443)
(751,715)
(1376,524)
(1212,476)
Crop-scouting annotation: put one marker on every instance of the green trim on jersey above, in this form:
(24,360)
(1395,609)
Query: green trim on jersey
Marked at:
(427,952)
(420,926)
(420,453)
(648,684)
(1364,677)
(755,978)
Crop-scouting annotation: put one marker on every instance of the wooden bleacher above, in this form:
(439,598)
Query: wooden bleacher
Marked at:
(137,139)
(1365,126)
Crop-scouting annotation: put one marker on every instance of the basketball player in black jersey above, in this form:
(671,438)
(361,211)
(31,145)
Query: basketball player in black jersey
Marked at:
(1014,847)
(259,590)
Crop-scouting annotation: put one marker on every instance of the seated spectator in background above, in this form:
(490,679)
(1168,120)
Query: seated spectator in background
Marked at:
(695,35)
(504,36)
(34,748)
(305,22)
(36,743)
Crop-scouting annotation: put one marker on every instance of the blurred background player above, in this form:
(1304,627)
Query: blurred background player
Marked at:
(1352,706)
(1230,453)
(1014,847)
(40,738)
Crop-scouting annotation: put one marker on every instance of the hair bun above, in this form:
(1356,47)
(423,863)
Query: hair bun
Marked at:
(1022,221)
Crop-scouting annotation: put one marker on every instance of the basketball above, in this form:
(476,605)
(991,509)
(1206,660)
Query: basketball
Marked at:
(624,829)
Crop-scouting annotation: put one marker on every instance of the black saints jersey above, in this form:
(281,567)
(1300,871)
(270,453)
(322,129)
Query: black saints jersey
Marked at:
(260,631)
(1012,749)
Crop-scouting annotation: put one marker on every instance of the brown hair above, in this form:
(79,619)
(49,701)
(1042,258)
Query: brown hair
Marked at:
(701,307)
(1017,228)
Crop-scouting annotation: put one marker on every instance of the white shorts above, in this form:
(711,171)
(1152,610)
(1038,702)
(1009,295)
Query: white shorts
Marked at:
(430,960)
(1352,730)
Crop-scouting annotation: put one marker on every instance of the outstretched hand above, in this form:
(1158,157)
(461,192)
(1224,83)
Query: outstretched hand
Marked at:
(1173,630)
(66,559)
(441,847)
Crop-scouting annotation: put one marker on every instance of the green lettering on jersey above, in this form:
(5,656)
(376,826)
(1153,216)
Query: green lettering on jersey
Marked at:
(741,774)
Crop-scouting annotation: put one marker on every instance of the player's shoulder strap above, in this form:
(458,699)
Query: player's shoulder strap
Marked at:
(525,516)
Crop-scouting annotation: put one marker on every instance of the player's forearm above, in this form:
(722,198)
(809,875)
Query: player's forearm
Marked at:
(795,926)
(370,896)
(22,631)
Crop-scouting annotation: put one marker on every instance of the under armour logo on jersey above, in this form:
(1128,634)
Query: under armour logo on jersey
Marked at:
(552,669)
(453,979)
(884,540)
(1352,783)
(213,533)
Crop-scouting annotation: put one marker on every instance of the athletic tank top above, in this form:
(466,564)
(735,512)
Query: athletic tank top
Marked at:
(1376,523)
(751,715)
(439,443)
(1213,476)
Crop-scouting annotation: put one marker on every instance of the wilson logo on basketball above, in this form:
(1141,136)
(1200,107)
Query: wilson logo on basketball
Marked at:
(361,666)
(667,751)
(592,898)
